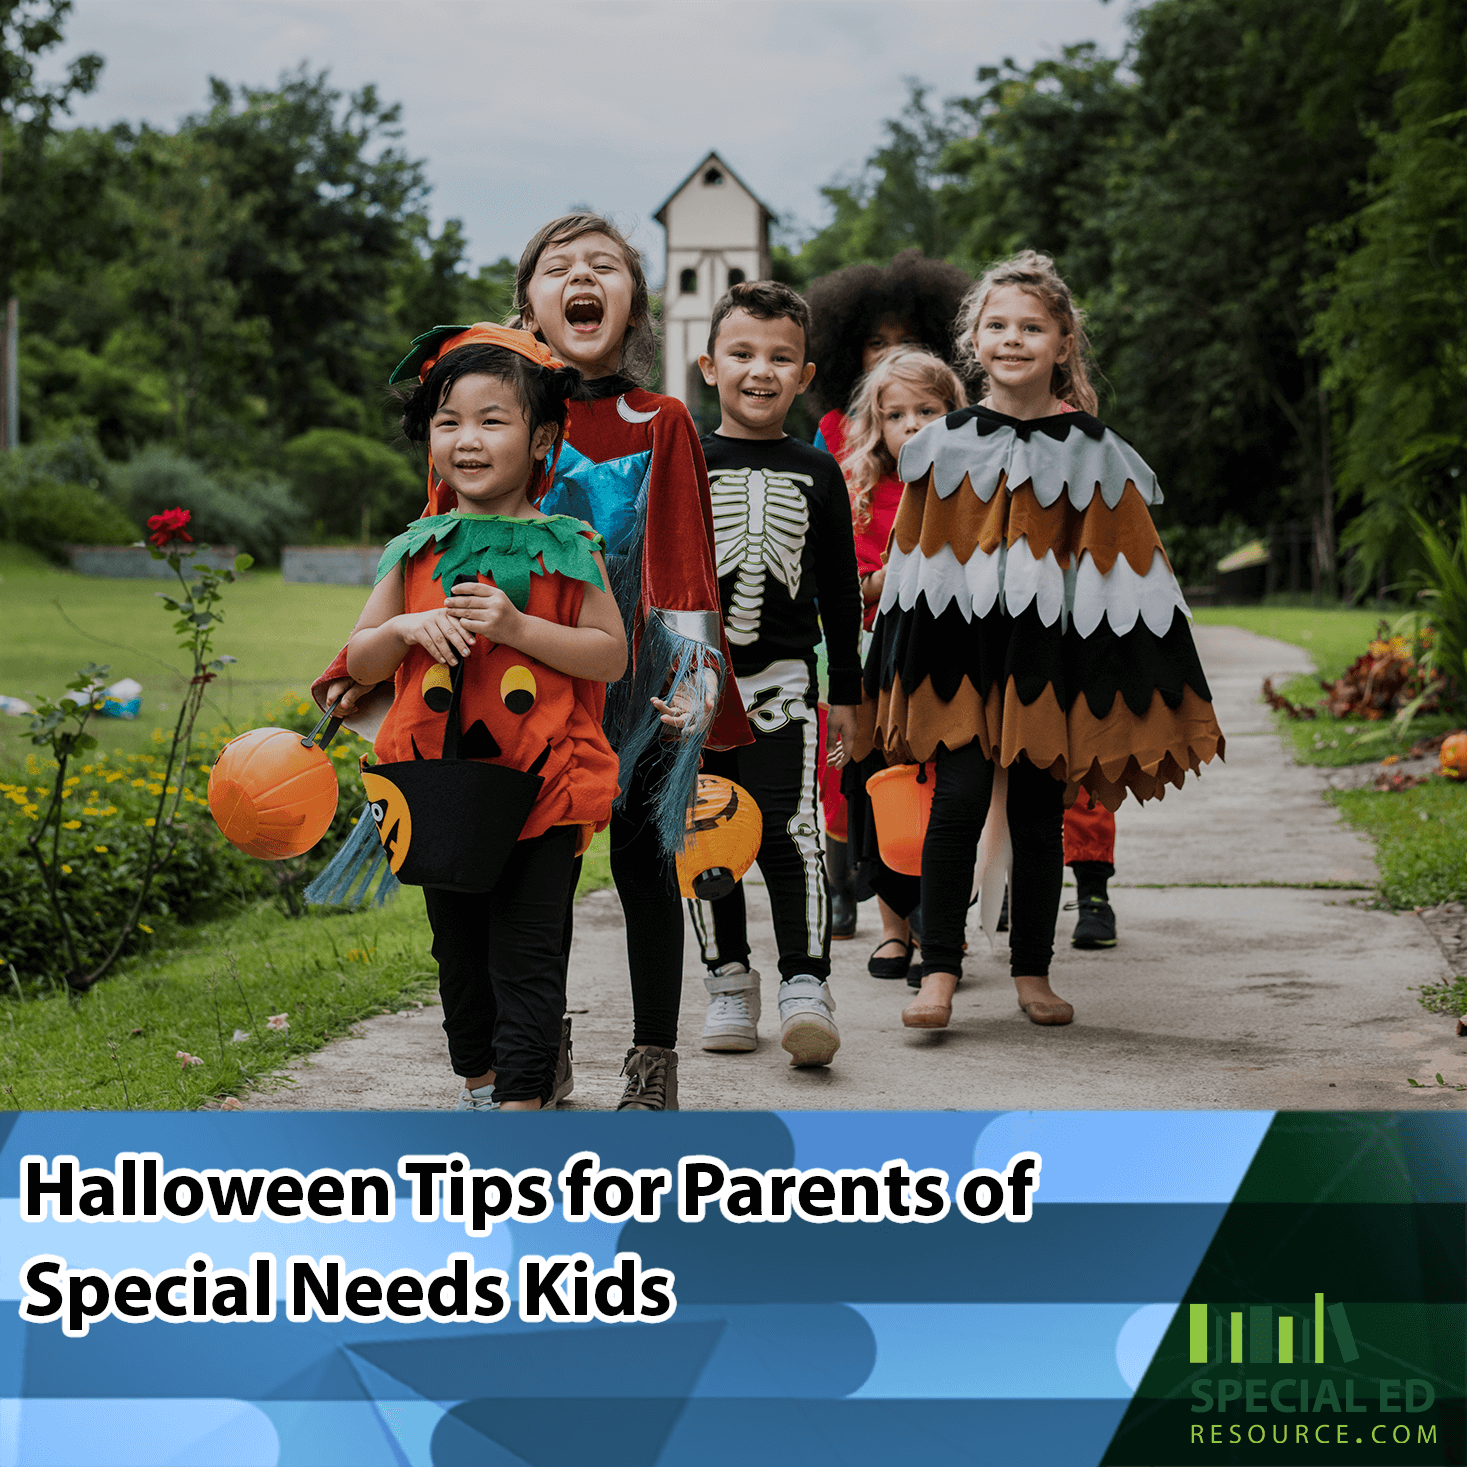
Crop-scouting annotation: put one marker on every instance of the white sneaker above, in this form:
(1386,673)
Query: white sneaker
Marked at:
(480,1099)
(733,1009)
(806,1028)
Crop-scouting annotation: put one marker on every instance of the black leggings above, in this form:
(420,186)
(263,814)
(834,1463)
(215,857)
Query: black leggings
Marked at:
(781,770)
(646,882)
(501,967)
(1036,808)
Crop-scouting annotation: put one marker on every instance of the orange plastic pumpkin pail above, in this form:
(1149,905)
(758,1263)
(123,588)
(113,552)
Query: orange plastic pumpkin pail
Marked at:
(1454,756)
(272,794)
(901,802)
(724,831)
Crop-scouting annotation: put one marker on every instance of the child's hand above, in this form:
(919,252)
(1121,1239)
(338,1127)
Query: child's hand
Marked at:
(350,692)
(439,634)
(680,711)
(485,610)
(840,733)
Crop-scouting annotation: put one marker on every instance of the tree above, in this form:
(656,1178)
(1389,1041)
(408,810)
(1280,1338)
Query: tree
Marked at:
(1394,311)
(1252,127)
(331,212)
(28,108)
(1033,169)
(893,204)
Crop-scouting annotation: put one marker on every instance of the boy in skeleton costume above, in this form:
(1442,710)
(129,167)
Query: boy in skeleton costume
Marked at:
(783,539)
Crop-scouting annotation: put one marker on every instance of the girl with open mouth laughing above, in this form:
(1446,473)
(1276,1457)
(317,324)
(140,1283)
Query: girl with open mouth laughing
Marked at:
(633,468)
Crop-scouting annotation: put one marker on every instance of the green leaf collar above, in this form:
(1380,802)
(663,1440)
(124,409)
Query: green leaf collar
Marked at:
(506,549)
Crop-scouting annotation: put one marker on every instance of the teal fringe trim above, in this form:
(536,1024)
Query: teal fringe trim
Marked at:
(631,722)
(347,880)
(667,664)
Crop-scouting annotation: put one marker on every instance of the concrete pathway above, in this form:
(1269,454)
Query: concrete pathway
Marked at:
(1251,973)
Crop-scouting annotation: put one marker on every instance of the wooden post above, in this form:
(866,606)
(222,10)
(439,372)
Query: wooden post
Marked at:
(12,374)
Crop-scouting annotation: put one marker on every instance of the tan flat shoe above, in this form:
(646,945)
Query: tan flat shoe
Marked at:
(1048,1011)
(928,1010)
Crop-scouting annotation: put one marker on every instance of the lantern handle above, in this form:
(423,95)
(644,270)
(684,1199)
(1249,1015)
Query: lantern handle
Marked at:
(326,718)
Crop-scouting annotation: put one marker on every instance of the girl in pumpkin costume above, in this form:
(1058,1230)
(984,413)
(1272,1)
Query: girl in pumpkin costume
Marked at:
(499,631)
(1031,639)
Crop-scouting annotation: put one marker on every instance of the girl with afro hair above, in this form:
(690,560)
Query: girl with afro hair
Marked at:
(861,312)
(858,315)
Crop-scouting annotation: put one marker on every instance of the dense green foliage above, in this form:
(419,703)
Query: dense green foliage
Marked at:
(229,300)
(1264,211)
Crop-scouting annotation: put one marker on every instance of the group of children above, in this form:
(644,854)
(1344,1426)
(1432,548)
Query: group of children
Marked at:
(601,602)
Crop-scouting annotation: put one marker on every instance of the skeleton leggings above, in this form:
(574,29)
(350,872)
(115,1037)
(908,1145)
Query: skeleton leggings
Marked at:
(781,770)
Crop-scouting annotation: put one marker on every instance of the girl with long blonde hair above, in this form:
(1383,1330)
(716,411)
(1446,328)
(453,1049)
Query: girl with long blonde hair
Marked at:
(1028,648)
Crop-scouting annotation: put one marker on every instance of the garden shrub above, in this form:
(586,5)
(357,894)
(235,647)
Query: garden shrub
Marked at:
(336,474)
(252,510)
(109,803)
(53,494)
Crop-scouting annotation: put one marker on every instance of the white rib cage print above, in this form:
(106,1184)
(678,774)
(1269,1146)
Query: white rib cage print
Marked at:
(760,521)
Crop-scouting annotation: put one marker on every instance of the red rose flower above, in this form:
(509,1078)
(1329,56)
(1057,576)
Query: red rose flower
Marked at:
(169,526)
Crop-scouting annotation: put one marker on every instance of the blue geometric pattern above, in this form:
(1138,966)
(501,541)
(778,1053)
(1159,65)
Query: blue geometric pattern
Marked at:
(791,1343)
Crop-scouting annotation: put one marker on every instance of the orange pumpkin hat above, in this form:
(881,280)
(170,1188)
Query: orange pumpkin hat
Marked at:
(432,346)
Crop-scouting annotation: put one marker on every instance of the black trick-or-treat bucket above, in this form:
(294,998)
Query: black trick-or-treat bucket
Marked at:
(450,823)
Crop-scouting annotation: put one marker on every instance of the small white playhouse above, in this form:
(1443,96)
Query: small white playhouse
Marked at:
(717,235)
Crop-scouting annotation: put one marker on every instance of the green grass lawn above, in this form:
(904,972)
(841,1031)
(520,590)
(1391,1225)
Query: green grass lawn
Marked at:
(1420,834)
(1420,839)
(56,622)
(117,1047)
(1333,636)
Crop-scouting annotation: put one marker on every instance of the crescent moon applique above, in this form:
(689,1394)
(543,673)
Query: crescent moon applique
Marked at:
(631,415)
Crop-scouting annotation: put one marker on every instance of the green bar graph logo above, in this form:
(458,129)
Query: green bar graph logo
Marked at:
(1268,1343)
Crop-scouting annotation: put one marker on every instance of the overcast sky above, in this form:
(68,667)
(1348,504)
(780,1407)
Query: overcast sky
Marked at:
(522,110)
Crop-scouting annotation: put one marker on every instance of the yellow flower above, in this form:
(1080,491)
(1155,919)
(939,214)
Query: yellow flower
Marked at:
(304,708)
(87,768)
(157,735)
(143,927)
(173,789)
(138,784)
(67,870)
(73,779)
(110,810)
(100,850)
(90,810)
(71,825)
(113,776)
(155,789)
(150,822)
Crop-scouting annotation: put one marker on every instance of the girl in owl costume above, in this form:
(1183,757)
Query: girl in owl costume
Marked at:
(1031,640)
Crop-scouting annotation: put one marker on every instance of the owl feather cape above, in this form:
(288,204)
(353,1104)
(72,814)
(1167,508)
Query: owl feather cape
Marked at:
(1029,604)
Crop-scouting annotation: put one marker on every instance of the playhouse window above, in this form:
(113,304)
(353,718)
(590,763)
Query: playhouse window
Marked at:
(713,177)
(736,276)
(687,282)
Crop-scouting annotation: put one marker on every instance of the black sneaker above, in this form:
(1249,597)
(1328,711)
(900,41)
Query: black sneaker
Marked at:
(842,916)
(565,1077)
(651,1079)
(1096,924)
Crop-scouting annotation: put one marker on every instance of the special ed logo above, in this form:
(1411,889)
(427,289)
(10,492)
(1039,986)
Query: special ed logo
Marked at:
(1301,1356)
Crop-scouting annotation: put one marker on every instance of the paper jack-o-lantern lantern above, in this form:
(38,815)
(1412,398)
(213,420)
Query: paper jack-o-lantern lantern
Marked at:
(901,802)
(724,831)
(1454,756)
(272,793)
